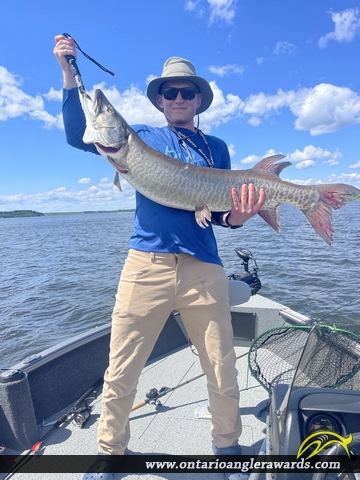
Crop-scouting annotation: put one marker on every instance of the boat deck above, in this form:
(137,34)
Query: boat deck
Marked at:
(169,428)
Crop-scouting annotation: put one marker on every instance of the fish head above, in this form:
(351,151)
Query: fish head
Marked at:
(105,127)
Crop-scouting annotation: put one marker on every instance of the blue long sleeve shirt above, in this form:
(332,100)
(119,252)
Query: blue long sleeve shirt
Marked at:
(158,228)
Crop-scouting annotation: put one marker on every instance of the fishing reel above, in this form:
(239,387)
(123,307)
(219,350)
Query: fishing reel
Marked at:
(82,414)
(251,278)
(152,396)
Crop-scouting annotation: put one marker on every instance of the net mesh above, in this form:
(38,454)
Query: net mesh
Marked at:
(316,355)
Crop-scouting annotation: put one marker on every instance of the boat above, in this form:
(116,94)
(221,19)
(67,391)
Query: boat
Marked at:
(50,401)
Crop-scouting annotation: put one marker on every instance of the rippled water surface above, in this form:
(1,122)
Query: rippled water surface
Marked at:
(59,274)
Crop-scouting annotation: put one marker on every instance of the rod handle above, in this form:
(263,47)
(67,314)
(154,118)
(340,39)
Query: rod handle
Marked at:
(139,405)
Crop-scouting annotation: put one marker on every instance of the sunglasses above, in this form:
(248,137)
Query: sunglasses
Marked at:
(187,93)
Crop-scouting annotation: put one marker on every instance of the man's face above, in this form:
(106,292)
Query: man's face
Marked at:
(179,112)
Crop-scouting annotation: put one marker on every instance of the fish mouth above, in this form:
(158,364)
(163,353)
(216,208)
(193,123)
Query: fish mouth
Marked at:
(108,149)
(108,152)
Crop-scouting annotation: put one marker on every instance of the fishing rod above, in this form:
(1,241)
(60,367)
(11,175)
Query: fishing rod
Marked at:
(75,69)
(69,415)
(153,395)
(319,319)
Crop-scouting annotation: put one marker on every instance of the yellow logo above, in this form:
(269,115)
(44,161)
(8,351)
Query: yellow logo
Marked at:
(321,440)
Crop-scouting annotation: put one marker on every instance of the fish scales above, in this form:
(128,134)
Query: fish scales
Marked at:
(177,184)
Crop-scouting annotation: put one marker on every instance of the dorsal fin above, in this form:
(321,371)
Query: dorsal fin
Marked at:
(268,165)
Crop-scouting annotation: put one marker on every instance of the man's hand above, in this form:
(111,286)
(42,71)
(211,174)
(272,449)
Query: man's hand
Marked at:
(65,46)
(245,204)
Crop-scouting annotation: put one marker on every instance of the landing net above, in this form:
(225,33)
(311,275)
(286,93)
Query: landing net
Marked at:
(312,355)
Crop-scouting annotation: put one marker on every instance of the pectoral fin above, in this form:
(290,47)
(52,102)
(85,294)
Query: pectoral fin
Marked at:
(117,181)
(202,216)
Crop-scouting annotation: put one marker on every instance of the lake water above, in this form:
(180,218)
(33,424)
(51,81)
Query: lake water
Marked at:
(59,274)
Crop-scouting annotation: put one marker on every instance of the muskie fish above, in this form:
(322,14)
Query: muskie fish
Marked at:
(185,186)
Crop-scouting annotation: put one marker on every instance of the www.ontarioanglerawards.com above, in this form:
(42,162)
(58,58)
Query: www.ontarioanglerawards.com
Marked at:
(251,464)
(155,463)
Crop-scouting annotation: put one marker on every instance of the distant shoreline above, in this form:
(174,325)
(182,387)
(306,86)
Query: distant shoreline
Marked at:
(20,213)
(85,212)
(33,213)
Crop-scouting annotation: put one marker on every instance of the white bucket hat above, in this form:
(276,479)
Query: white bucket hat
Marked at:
(176,68)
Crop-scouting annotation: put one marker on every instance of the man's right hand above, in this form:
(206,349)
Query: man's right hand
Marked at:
(65,46)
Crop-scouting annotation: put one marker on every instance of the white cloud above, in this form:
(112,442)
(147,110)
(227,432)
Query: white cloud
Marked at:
(84,181)
(195,6)
(348,178)
(149,78)
(254,121)
(14,102)
(325,108)
(190,5)
(67,200)
(222,110)
(106,183)
(355,165)
(49,120)
(232,150)
(250,160)
(305,164)
(259,60)
(226,69)
(55,95)
(253,159)
(302,159)
(331,162)
(262,104)
(221,10)
(307,158)
(347,25)
(282,48)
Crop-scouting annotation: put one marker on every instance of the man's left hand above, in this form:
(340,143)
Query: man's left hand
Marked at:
(245,205)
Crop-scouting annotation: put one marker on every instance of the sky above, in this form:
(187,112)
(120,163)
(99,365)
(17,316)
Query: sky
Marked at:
(285,76)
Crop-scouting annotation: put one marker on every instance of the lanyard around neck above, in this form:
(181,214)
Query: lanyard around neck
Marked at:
(183,139)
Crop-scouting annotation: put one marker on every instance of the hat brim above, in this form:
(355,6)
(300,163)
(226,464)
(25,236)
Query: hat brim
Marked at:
(205,90)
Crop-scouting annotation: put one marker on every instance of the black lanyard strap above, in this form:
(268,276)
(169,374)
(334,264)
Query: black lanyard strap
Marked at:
(184,139)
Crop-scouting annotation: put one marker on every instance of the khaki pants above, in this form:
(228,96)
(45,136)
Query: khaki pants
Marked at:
(151,286)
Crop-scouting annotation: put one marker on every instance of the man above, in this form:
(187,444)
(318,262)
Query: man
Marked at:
(173,264)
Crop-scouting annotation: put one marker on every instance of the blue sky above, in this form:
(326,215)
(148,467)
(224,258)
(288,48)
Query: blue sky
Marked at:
(285,75)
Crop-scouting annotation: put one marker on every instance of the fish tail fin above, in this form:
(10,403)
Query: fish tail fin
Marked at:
(331,197)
